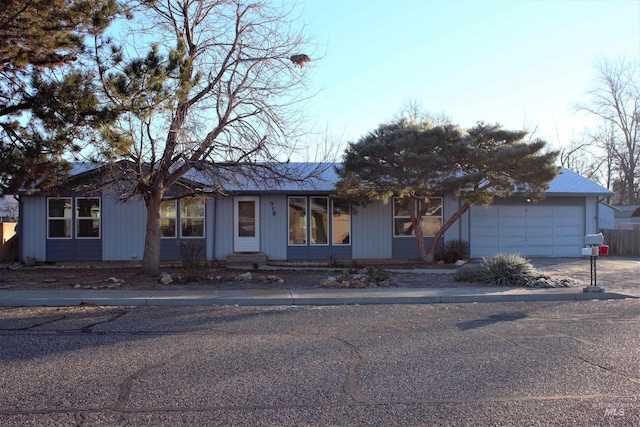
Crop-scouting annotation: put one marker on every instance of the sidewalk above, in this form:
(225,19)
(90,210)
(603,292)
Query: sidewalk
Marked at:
(73,297)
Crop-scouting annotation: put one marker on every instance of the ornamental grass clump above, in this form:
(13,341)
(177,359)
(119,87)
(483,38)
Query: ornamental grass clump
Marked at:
(510,270)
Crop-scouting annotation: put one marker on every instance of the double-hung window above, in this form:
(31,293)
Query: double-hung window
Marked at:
(59,218)
(87,218)
(191,217)
(168,218)
(430,222)
(68,218)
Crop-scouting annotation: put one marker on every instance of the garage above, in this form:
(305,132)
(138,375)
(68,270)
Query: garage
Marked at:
(528,229)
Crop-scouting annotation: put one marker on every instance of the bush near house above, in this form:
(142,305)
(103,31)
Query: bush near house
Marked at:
(453,251)
(510,270)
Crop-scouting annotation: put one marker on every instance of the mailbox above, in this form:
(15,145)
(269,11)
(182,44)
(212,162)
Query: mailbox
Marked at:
(594,239)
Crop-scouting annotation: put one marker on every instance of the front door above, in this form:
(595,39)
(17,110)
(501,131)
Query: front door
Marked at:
(246,229)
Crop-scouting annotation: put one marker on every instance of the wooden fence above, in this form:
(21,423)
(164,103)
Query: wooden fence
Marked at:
(623,241)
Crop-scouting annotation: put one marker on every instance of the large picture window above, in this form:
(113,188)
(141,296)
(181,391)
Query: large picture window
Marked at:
(430,222)
(319,220)
(328,221)
(192,217)
(297,220)
(341,220)
(88,218)
(59,218)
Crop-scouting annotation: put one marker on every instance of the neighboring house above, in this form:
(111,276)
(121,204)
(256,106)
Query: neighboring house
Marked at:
(627,214)
(300,222)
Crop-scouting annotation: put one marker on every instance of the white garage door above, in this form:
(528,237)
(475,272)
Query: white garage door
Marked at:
(530,230)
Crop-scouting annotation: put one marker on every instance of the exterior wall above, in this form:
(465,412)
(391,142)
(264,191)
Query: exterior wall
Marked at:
(223,220)
(591,215)
(372,228)
(123,229)
(209,230)
(33,228)
(273,226)
(451,204)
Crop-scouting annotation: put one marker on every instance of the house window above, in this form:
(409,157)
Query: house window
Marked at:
(168,218)
(297,220)
(341,222)
(88,218)
(321,225)
(319,220)
(59,218)
(192,217)
(430,222)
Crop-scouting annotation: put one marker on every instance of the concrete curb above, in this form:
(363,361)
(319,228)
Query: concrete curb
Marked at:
(302,297)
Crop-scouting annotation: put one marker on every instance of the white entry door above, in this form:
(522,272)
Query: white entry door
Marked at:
(246,228)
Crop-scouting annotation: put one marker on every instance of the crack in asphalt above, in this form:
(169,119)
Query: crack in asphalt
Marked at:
(80,414)
(127,384)
(88,328)
(351,383)
(582,359)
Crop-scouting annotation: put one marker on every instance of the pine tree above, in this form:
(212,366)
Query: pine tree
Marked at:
(47,98)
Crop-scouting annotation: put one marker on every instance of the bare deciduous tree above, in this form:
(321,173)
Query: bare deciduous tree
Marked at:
(616,100)
(216,91)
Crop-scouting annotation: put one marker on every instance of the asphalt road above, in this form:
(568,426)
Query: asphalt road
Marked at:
(560,363)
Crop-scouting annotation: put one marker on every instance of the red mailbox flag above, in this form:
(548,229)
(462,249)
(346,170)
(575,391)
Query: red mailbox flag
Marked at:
(604,250)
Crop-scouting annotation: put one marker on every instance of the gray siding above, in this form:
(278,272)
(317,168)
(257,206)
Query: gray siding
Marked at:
(74,249)
(326,253)
(223,218)
(33,228)
(451,206)
(209,230)
(273,226)
(123,230)
(372,230)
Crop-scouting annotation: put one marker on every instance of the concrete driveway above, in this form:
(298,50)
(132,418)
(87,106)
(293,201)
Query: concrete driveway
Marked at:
(612,273)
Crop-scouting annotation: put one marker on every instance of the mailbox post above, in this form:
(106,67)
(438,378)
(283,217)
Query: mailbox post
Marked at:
(594,246)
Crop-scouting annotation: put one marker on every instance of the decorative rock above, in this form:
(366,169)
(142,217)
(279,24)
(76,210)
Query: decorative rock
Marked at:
(244,276)
(77,286)
(165,278)
(460,263)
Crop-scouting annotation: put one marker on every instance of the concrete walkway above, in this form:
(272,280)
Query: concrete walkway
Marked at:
(73,297)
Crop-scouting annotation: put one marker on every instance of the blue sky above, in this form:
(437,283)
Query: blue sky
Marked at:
(523,64)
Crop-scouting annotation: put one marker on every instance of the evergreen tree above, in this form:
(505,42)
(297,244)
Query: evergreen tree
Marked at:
(48,103)
(415,161)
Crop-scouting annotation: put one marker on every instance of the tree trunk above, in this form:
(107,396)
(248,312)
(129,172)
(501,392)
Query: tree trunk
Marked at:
(438,236)
(417,227)
(151,259)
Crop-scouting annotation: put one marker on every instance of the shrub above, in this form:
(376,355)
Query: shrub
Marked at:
(510,270)
(377,275)
(452,251)
(192,254)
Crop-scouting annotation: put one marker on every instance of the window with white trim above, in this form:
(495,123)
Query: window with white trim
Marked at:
(87,218)
(341,222)
(192,217)
(319,221)
(430,222)
(297,220)
(168,218)
(59,219)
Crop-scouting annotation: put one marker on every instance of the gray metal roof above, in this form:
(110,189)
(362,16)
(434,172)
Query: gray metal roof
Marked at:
(322,177)
(569,183)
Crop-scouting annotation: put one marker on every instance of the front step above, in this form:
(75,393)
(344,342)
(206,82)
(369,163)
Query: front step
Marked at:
(246,259)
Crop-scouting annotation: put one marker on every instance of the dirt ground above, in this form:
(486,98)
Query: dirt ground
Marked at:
(129,276)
